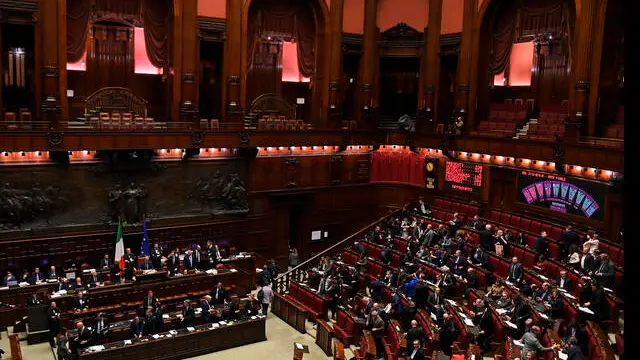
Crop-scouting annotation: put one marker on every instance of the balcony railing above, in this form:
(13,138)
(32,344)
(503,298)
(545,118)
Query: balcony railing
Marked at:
(299,273)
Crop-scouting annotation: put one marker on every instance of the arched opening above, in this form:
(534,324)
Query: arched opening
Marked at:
(523,61)
(124,45)
(283,54)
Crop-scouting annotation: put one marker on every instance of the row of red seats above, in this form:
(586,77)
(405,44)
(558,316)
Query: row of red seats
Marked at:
(312,302)
(500,112)
(546,129)
(469,210)
(616,253)
(496,126)
(615,131)
(446,216)
(345,327)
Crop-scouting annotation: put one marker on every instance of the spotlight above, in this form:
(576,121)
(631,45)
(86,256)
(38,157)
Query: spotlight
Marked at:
(303,148)
(269,148)
(292,148)
(280,148)
(608,172)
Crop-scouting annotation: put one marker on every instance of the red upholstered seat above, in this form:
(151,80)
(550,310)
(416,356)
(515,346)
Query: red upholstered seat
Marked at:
(505,218)
(556,233)
(529,258)
(515,221)
(525,224)
(531,240)
(395,259)
(495,216)
(619,345)
(535,227)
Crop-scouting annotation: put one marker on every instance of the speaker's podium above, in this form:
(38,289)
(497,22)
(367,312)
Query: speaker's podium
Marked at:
(37,324)
(299,350)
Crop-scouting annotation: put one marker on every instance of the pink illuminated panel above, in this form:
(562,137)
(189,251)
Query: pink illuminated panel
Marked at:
(80,65)
(290,70)
(499,80)
(520,64)
(141,62)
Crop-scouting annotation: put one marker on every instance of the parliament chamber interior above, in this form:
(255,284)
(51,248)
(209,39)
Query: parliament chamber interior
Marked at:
(316,179)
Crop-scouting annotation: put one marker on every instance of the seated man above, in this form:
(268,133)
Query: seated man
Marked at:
(34,300)
(95,279)
(146,264)
(81,302)
(37,276)
(251,307)
(470,280)
(78,285)
(52,274)
(9,278)
(459,263)
(137,327)
(105,262)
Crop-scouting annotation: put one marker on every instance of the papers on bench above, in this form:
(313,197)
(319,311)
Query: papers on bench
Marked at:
(607,289)
(127,342)
(586,310)
(543,277)
(387,308)
(501,311)
(253,317)
(468,322)
(563,356)
(569,296)
(173,332)
(518,343)
(96,348)
(165,316)
(430,283)
(508,283)
(210,272)
(452,302)
(433,316)
(233,270)
(191,329)
(544,316)
(511,324)
(156,336)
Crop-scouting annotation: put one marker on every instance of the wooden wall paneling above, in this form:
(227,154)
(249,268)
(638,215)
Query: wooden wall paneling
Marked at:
(579,84)
(467,43)
(596,58)
(291,166)
(190,63)
(369,63)
(235,60)
(337,170)
(432,55)
(50,31)
(335,69)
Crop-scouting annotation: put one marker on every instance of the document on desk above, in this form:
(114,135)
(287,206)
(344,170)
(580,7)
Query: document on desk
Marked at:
(191,329)
(127,342)
(570,296)
(511,324)
(96,348)
(562,290)
(509,283)
(463,315)
(215,326)
(518,343)
(433,316)
(544,316)
(468,322)
(156,336)
(173,332)
(452,302)
(253,317)
(586,310)
(430,283)
(563,356)
(607,289)
(543,277)
(387,309)
(501,311)
(165,316)
(233,270)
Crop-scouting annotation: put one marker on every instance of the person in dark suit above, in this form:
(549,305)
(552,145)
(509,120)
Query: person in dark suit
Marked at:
(94,279)
(435,300)
(197,253)
(597,301)
(188,315)
(218,294)
(150,301)
(130,264)
(541,244)
(81,302)
(105,262)
(359,248)
(188,261)
(416,333)
(52,273)
(568,238)
(149,327)
(100,329)
(173,263)
(448,334)
(207,309)
(34,300)
(377,330)
(605,272)
(417,353)
(156,256)
(252,307)
(486,238)
(454,224)
(63,351)
(386,255)
(421,294)
(137,327)
(84,336)
(564,282)
(447,282)
(53,314)
(520,313)
(477,223)
(555,303)
(458,263)
(480,258)
(504,302)
(9,278)
(37,276)
(375,289)
(470,280)
(482,319)
(574,352)
(515,271)
(575,329)
(586,261)
(147,264)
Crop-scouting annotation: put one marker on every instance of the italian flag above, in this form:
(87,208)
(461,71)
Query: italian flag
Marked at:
(119,248)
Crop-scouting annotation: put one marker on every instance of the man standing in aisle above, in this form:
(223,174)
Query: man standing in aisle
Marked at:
(265,295)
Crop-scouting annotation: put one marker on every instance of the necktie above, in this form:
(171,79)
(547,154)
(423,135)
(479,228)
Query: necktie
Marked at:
(601,267)
(436,298)
(513,271)
(561,282)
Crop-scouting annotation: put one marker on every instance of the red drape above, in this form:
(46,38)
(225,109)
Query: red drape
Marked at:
(502,36)
(401,167)
(157,17)
(78,14)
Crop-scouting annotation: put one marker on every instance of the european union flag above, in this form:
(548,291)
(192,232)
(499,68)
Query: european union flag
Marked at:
(144,247)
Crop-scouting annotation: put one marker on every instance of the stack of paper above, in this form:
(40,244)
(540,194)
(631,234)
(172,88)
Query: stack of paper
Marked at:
(190,328)
(511,324)
(517,343)
(501,311)
(127,342)
(468,322)
(584,309)
(233,270)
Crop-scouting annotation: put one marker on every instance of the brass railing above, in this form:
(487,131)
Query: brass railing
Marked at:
(299,273)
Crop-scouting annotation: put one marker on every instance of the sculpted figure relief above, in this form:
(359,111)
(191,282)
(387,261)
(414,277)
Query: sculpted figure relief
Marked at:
(19,206)
(222,193)
(128,205)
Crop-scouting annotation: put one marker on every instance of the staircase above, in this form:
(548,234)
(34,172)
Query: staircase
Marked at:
(525,128)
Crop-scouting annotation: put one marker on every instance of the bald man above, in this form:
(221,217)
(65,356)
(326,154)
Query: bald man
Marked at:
(416,333)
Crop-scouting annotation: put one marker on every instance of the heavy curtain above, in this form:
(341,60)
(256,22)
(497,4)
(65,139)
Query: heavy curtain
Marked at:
(157,18)
(78,14)
(515,19)
(289,20)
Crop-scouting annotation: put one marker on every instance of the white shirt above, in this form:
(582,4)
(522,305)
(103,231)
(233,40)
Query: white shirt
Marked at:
(413,353)
(591,244)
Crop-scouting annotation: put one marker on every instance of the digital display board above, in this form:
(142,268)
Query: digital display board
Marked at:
(562,194)
(462,176)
